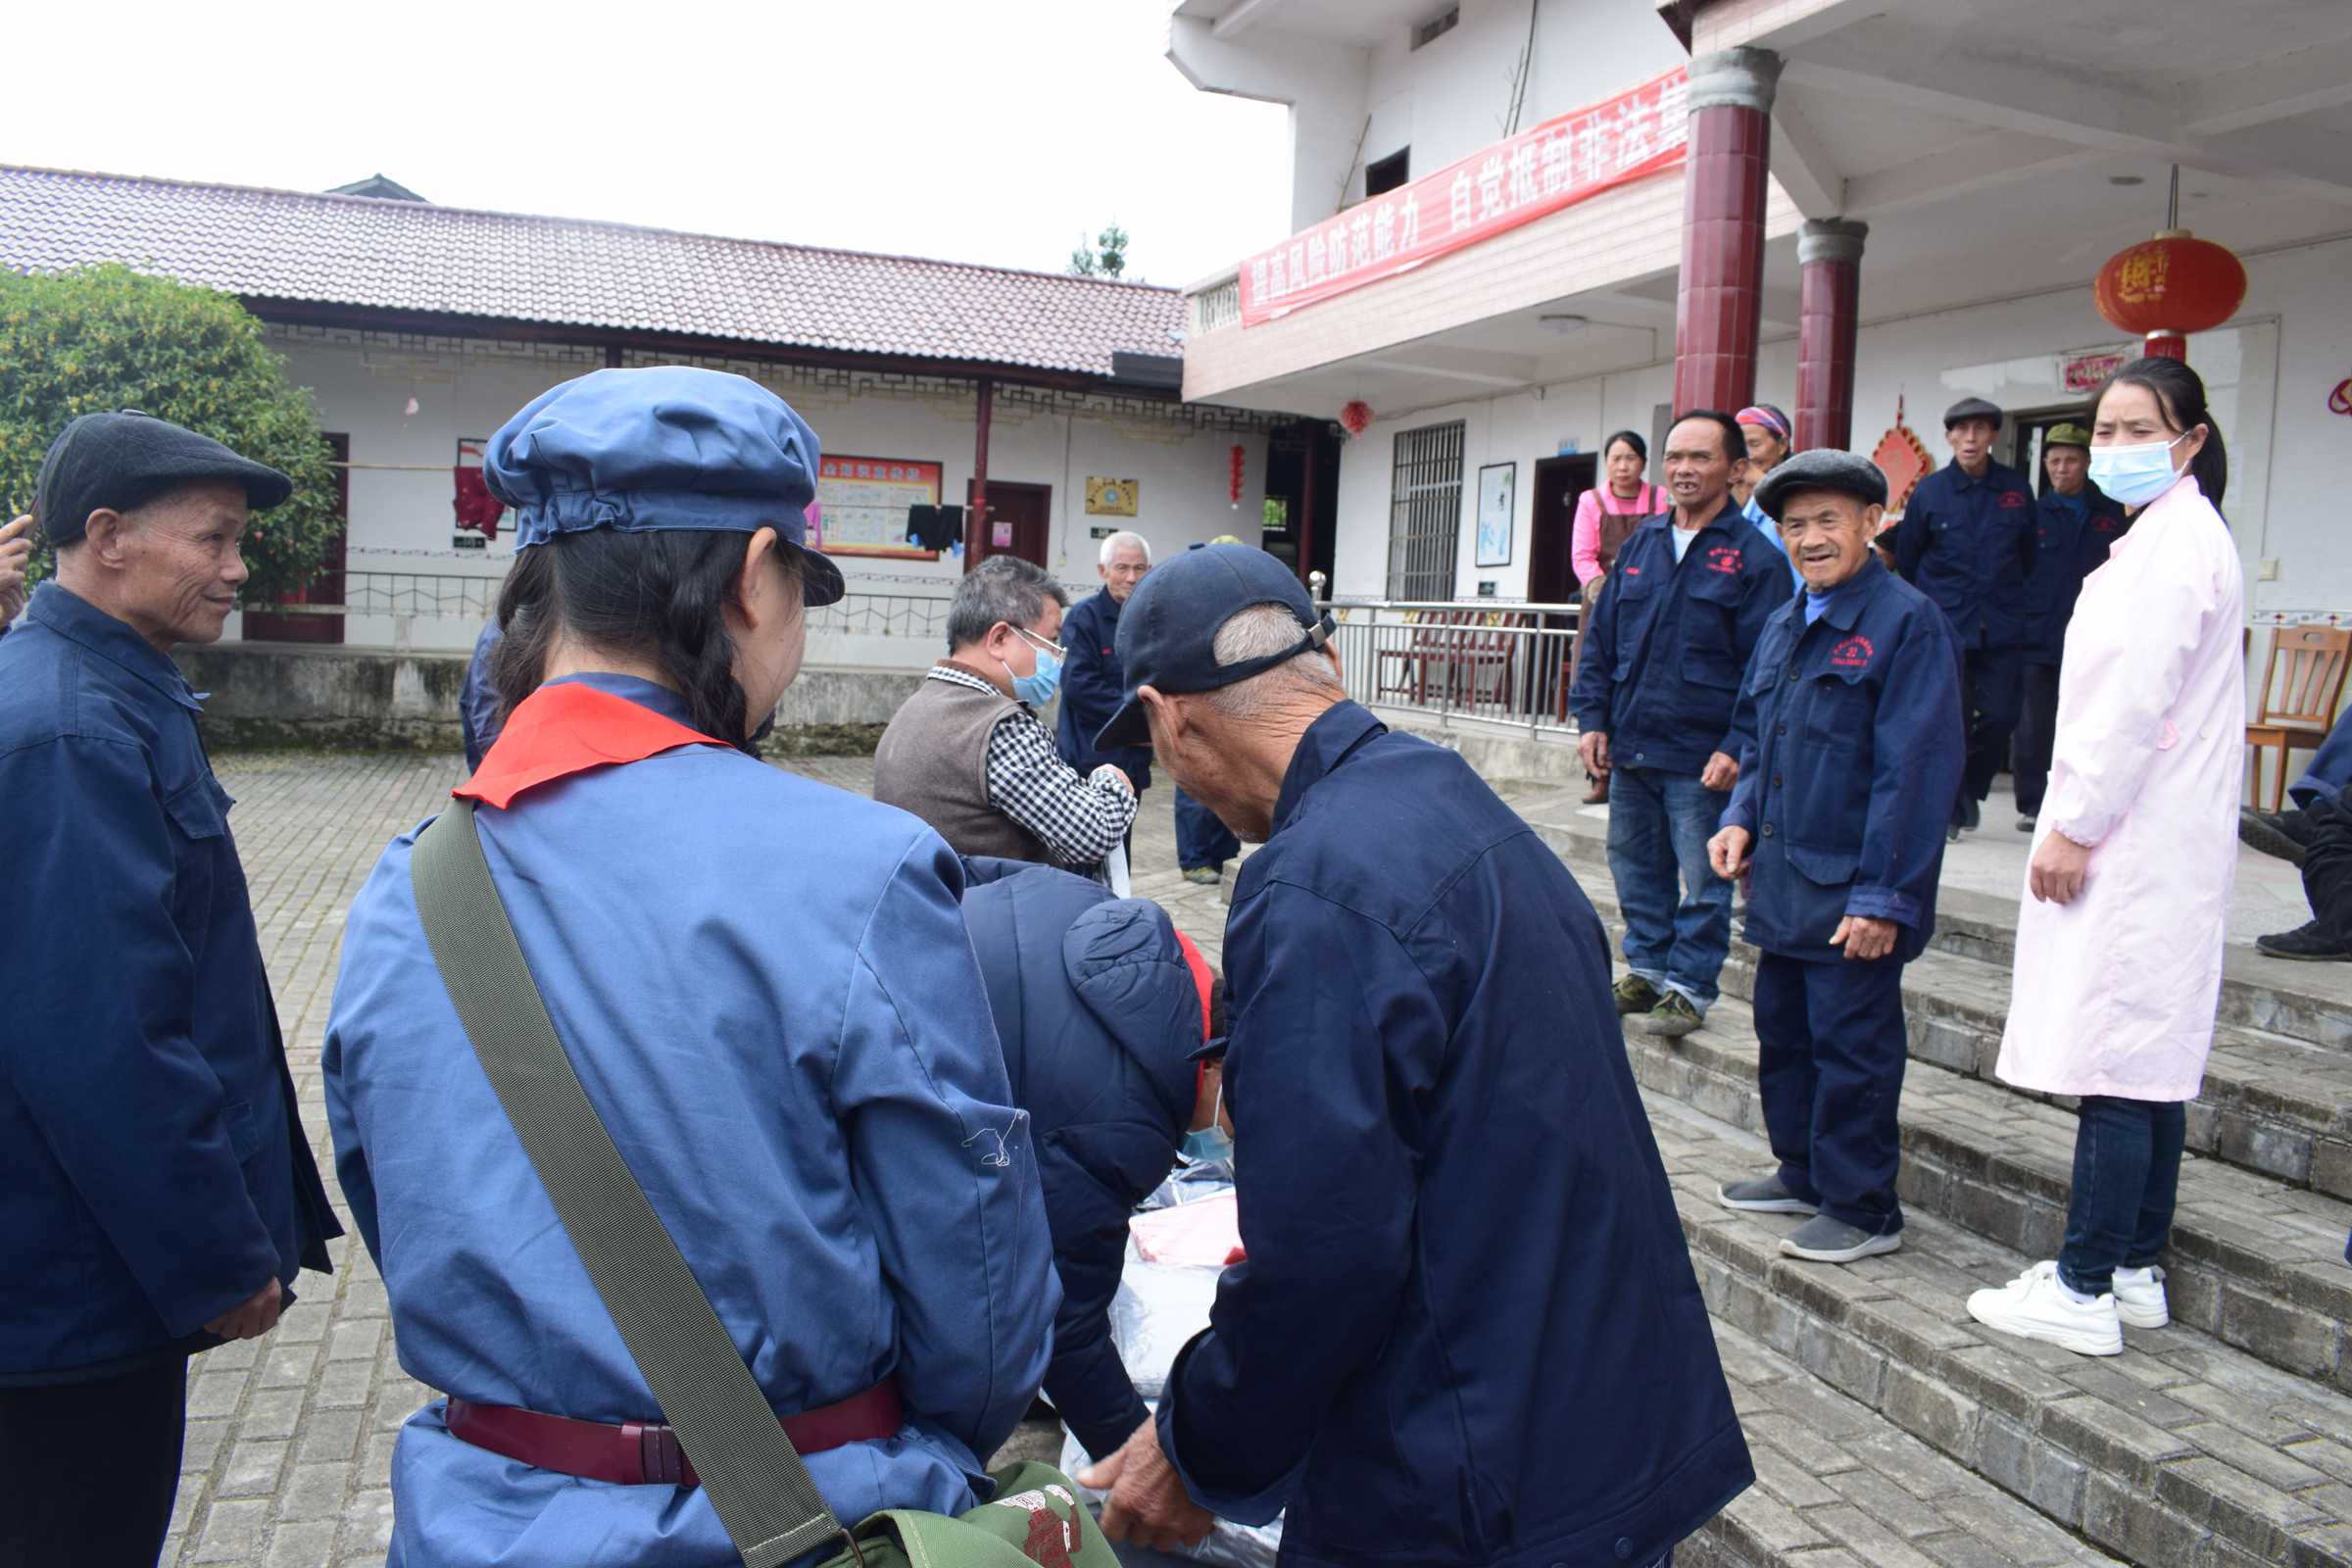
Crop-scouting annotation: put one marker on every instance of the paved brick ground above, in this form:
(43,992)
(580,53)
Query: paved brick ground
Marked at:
(290,1437)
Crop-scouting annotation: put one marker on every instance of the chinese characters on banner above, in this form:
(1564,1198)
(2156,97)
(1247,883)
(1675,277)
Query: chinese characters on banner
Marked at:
(860,505)
(1557,165)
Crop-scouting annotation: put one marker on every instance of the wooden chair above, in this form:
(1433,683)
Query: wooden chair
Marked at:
(1432,643)
(2299,694)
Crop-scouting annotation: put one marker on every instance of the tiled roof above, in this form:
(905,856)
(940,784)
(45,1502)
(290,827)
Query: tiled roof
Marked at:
(408,256)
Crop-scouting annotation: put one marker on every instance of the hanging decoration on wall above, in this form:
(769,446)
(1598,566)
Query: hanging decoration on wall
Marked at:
(2169,287)
(1903,459)
(1110,498)
(477,510)
(1233,489)
(1355,418)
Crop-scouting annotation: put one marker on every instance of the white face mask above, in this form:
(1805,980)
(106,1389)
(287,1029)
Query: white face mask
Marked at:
(2136,474)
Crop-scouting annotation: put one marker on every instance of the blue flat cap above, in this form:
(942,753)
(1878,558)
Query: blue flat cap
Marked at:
(1822,469)
(666,447)
(1168,630)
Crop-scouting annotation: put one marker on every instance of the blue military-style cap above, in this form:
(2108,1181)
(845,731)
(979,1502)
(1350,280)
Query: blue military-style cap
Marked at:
(665,447)
(1168,630)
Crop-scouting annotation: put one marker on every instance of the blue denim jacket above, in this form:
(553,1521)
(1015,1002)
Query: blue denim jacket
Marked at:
(1660,670)
(1846,780)
(157,1171)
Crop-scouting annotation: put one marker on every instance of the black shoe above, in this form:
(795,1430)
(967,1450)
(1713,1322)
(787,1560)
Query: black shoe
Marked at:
(2025,824)
(2306,942)
(1951,835)
(1975,814)
(2288,835)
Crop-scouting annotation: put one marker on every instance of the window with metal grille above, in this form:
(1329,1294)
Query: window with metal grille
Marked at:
(1424,512)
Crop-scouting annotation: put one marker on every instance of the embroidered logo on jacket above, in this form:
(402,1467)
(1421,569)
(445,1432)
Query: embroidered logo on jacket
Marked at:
(1852,654)
(2011,500)
(1729,559)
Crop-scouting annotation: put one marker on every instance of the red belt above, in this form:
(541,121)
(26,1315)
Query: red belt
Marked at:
(646,1453)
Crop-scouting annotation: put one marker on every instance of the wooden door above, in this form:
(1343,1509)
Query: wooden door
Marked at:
(325,585)
(1550,567)
(1018,524)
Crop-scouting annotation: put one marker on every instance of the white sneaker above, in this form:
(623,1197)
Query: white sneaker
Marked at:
(2140,1297)
(2036,1307)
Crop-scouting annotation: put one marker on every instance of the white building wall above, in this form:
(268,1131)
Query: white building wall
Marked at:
(401,485)
(2270,375)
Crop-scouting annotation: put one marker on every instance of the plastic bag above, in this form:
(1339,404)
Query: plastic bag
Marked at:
(1228,1546)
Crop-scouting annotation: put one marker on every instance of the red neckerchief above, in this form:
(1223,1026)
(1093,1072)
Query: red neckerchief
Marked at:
(568,729)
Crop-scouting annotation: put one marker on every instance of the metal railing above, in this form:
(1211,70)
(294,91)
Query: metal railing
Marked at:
(1476,659)
(1214,308)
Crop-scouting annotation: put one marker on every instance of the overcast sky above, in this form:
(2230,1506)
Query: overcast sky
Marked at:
(980,132)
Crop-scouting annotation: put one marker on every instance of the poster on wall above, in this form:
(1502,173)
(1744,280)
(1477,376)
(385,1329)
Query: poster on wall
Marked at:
(1110,498)
(861,505)
(1498,483)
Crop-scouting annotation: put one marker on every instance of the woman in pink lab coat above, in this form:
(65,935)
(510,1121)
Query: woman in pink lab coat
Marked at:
(2119,939)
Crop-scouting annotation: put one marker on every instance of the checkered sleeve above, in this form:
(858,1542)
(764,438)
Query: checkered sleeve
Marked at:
(1079,819)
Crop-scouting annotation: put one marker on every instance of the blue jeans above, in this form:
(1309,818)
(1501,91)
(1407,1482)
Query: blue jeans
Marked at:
(1678,912)
(2330,770)
(2126,1176)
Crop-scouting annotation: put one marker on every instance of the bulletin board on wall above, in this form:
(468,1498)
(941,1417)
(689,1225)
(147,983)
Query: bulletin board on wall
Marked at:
(861,505)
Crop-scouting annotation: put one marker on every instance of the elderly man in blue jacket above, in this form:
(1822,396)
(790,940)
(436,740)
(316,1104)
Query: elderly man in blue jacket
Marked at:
(1654,697)
(2077,526)
(1105,1012)
(1092,683)
(160,1192)
(1853,706)
(1969,541)
(1468,1330)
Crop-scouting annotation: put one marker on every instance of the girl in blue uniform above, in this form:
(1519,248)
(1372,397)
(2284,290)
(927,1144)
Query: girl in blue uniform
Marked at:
(766,990)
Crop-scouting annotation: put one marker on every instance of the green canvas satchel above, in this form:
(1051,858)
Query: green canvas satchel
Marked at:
(755,1480)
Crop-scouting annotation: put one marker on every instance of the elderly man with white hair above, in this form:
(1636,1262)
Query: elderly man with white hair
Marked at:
(1093,685)
(1464,1260)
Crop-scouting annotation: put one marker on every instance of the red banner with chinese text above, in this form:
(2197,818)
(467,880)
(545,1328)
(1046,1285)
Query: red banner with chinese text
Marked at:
(1558,164)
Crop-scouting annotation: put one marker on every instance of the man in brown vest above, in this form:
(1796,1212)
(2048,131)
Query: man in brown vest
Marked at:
(967,752)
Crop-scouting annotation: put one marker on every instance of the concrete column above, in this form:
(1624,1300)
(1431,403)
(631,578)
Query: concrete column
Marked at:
(1718,300)
(1828,260)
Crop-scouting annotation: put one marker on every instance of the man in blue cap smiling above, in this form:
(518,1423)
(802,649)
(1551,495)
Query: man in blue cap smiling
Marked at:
(1467,1300)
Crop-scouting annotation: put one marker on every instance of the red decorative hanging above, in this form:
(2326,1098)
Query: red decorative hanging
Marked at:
(1903,459)
(1234,488)
(476,507)
(1355,418)
(2169,287)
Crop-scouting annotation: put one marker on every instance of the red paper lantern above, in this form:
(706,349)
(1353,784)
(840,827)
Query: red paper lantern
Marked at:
(2170,286)
(1355,418)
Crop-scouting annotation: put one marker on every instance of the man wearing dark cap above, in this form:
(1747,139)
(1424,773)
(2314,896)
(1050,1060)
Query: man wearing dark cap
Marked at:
(1852,709)
(1967,541)
(2076,525)
(1467,1330)
(161,1191)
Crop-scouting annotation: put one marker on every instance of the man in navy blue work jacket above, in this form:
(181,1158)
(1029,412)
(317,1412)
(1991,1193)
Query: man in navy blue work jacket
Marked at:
(2077,526)
(1092,683)
(1467,1332)
(1853,705)
(160,1192)
(1102,1005)
(1967,541)
(1654,695)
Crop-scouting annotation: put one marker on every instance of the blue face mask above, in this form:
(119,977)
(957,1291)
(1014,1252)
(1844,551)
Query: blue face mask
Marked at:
(1211,1145)
(1038,690)
(2136,474)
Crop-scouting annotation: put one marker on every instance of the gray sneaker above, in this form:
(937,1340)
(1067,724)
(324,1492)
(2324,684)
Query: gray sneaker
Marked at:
(1763,1195)
(1823,1240)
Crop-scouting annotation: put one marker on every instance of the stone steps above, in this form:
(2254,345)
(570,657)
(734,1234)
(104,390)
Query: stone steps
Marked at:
(2254,1262)
(2272,1103)
(2181,1452)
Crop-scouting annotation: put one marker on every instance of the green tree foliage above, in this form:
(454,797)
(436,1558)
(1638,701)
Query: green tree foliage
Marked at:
(1106,258)
(105,338)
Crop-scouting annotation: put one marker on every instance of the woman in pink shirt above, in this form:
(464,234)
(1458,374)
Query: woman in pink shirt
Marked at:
(2119,943)
(1605,518)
